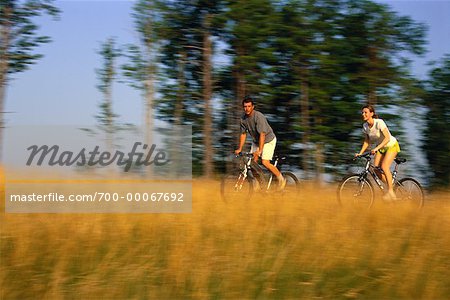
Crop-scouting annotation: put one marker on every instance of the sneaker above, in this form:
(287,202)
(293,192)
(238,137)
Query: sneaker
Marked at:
(390,196)
(256,185)
(393,196)
(281,183)
(387,197)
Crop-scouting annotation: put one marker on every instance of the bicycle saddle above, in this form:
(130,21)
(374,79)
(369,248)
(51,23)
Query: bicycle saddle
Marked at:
(399,160)
(276,156)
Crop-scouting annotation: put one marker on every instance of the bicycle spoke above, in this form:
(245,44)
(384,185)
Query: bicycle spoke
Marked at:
(355,192)
(408,190)
(233,188)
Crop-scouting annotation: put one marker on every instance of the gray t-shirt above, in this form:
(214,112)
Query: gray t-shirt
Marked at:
(256,124)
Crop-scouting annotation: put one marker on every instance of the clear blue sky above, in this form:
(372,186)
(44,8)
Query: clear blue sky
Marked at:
(60,88)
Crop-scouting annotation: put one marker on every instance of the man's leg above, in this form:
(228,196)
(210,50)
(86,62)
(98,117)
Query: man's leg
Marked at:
(259,182)
(266,163)
(266,156)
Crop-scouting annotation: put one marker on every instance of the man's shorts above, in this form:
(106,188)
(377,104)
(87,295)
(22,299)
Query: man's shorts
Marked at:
(268,150)
(393,148)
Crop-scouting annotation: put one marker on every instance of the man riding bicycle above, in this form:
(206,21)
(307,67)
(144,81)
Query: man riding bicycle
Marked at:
(264,139)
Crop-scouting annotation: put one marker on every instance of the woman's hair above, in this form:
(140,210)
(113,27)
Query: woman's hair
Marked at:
(371,109)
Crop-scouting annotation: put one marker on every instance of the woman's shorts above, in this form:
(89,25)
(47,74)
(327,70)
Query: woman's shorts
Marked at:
(393,148)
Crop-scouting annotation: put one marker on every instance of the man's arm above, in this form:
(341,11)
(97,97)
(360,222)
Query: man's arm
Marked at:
(242,139)
(262,139)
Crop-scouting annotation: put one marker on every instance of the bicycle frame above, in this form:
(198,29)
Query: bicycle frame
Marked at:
(358,189)
(251,167)
(370,169)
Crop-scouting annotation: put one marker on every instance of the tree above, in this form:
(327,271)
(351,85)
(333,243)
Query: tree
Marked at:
(310,64)
(378,41)
(248,32)
(338,54)
(141,68)
(187,39)
(310,55)
(18,40)
(175,88)
(437,119)
(106,75)
(209,24)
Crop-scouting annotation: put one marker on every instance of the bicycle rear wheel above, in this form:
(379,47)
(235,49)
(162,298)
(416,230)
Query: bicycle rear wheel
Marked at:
(353,191)
(234,188)
(292,187)
(409,190)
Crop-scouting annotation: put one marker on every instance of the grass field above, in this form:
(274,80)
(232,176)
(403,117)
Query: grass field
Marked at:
(296,248)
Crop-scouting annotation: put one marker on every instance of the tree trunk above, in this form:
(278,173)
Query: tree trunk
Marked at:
(372,95)
(109,118)
(207,94)
(240,94)
(5,36)
(177,146)
(319,160)
(2,113)
(304,115)
(235,112)
(148,110)
(178,113)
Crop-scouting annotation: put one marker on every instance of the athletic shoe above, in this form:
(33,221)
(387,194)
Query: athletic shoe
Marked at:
(256,185)
(281,183)
(390,196)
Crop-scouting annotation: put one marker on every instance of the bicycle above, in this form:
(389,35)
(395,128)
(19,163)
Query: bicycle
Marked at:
(358,190)
(252,178)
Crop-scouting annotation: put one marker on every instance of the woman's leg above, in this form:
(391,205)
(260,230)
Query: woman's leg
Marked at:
(386,163)
(377,162)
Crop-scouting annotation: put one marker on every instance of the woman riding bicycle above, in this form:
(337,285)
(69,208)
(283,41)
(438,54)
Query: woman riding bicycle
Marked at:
(386,146)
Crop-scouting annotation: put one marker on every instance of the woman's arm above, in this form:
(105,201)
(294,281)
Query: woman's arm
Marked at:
(364,146)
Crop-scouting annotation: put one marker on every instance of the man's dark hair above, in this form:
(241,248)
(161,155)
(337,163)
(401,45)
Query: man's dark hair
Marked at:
(248,99)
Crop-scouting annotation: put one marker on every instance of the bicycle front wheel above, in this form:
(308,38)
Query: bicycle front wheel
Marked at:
(354,191)
(235,188)
(409,190)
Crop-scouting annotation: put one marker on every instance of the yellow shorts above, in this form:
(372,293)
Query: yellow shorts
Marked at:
(393,148)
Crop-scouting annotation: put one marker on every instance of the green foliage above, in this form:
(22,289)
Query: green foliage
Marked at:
(437,133)
(106,76)
(310,64)
(142,57)
(19,35)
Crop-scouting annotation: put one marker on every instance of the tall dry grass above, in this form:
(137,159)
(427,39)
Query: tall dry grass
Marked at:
(267,247)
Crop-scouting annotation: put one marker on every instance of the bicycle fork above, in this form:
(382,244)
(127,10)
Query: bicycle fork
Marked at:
(362,181)
(242,177)
(240,181)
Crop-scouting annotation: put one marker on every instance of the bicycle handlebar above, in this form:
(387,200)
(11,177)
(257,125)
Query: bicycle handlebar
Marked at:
(248,154)
(365,155)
